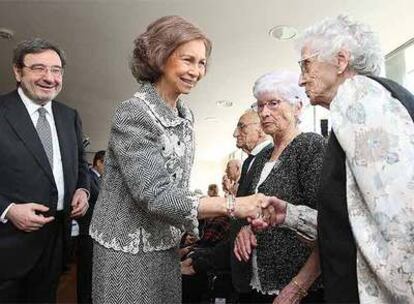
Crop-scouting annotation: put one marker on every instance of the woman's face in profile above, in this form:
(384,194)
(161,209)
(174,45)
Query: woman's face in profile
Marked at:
(185,67)
(320,79)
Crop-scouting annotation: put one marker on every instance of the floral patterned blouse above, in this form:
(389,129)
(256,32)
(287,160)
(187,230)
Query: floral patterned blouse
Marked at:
(377,134)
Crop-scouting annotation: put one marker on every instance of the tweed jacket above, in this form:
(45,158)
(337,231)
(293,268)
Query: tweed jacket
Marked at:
(295,179)
(144,203)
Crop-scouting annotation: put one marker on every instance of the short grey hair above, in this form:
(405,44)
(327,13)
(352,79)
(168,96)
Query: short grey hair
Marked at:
(284,83)
(329,36)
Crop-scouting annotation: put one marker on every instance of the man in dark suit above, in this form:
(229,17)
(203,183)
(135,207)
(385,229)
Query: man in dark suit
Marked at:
(85,242)
(252,140)
(44,176)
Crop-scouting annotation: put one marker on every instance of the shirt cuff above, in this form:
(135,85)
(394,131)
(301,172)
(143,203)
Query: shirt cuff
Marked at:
(3,216)
(88,194)
(292,217)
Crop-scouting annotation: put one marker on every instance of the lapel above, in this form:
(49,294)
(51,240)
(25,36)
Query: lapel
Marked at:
(253,175)
(94,178)
(20,121)
(63,127)
(160,109)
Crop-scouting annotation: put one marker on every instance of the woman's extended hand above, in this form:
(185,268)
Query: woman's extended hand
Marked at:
(244,243)
(249,206)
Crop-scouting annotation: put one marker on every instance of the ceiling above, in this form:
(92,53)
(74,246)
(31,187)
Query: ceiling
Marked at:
(97,37)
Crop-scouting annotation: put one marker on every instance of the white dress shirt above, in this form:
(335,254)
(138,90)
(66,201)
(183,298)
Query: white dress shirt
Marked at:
(32,109)
(257,150)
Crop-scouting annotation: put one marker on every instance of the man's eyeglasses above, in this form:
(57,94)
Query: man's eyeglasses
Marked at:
(241,126)
(41,69)
(270,104)
(305,63)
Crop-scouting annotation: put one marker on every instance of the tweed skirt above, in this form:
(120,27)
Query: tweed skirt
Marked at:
(147,278)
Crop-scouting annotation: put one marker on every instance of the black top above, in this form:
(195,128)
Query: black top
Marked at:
(280,253)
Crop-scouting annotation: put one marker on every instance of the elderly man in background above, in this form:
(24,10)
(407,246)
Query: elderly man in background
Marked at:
(44,176)
(366,213)
(252,140)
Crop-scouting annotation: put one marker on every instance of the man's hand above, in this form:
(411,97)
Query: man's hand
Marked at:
(187,267)
(79,203)
(184,251)
(244,243)
(26,217)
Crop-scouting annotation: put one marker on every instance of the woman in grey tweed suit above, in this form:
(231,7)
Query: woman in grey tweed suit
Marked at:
(144,204)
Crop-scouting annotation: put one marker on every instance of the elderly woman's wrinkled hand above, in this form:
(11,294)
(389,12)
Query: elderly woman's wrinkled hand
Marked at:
(244,243)
(273,213)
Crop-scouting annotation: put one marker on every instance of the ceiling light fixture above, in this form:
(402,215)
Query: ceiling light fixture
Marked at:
(211,119)
(282,32)
(224,103)
(6,34)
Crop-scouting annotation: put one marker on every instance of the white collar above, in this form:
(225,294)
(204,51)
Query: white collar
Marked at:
(30,105)
(95,171)
(260,147)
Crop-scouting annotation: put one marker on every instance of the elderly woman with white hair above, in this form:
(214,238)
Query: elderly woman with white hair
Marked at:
(366,203)
(278,266)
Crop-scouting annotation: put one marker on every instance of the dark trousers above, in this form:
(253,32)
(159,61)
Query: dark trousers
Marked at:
(195,288)
(84,275)
(39,285)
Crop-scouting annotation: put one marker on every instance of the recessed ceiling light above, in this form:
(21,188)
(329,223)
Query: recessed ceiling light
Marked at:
(282,32)
(6,33)
(211,119)
(224,103)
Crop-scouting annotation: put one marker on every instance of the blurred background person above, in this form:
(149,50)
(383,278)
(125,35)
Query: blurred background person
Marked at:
(196,286)
(231,179)
(212,190)
(278,266)
(85,242)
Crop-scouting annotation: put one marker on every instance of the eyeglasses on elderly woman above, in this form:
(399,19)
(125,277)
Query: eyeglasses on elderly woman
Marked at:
(305,63)
(270,104)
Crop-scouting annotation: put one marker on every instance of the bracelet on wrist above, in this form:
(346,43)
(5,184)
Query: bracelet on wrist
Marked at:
(230,205)
(302,292)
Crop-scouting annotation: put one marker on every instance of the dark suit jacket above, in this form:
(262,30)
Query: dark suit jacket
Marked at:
(85,220)
(246,180)
(26,176)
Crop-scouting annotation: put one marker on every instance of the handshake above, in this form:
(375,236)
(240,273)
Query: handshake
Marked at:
(261,211)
